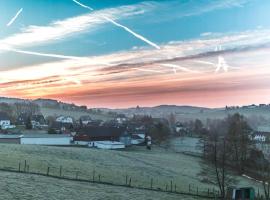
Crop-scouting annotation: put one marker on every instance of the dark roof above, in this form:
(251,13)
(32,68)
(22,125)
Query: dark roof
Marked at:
(38,118)
(4,116)
(85,118)
(101,131)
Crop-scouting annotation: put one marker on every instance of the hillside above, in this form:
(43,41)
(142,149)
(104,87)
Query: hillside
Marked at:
(163,165)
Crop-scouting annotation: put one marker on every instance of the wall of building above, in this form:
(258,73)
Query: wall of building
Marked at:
(46,141)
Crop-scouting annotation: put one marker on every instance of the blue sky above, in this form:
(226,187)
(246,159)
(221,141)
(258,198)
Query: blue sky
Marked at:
(63,27)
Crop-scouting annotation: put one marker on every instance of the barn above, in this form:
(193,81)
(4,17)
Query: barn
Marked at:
(46,139)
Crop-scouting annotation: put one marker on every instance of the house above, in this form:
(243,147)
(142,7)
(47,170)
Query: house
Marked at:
(60,128)
(85,119)
(121,118)
(22,118)
(64,119)
(5,122)
(261,134)
(38,121)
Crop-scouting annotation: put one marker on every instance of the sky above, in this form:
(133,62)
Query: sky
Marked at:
(124,53)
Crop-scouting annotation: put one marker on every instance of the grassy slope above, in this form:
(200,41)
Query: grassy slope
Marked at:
(159,164)
(32,187)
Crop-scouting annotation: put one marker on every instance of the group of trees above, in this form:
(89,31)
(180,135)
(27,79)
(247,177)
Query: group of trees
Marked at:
(228,148)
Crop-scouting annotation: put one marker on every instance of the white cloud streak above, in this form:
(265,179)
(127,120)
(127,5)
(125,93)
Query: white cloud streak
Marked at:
(14,18)
(122,26)
(82,5)
(35,35)
(175,67)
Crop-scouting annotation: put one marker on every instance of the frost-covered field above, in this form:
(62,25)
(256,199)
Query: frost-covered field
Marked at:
(33,187)
(138,163)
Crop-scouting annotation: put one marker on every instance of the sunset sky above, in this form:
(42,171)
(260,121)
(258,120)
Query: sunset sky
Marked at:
(123,53)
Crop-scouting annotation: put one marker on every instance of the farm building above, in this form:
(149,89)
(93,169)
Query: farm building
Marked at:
(102,135)
(46,139)
(10,139)
(39,139)
(107,145)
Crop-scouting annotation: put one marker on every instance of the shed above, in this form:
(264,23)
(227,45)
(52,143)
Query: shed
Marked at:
(11,139)
(46,139)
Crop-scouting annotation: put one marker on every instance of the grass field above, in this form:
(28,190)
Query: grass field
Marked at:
(32,187)
(141,165)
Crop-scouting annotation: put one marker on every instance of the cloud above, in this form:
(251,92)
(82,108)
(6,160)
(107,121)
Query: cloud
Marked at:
(146,74)
(15,17)
(57,30)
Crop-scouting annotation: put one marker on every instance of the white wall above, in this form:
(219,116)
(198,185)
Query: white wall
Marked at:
(46,141)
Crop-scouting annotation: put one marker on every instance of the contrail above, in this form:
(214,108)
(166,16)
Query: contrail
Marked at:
(184,69)
(121,26)
(147,70)
(82,5)
(15,17)
(52,55)
(44,54)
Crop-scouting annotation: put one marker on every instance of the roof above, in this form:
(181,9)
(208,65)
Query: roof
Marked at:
(11,136)
(5,136)
(4,116)
(85,118)
(101,131)
(264,129)
(45,136)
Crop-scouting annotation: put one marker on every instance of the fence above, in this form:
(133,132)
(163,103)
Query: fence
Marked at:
(95,177)
(98,178)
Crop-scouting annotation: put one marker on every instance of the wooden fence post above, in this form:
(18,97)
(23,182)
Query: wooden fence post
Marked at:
(151,186)
(19,166)
(197,190)
(24,165)
(130,182)
(48,171)
(126,179)
(166,187)
(94,175)
(99,178)
(171,185)
(174,187)
(60,171)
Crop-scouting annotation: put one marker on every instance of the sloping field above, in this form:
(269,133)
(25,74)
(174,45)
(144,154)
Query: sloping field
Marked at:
(32,187)
(161,165)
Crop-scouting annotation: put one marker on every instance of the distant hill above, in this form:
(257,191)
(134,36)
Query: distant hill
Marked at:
(259,112)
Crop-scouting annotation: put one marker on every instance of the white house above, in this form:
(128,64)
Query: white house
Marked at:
(5,121)
(64,119)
